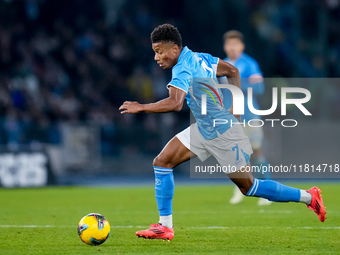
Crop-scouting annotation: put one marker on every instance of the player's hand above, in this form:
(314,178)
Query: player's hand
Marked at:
(238,117)
(130,107)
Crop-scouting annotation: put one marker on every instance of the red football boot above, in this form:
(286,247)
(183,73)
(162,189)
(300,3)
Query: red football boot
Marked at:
(157,231)
(317,203)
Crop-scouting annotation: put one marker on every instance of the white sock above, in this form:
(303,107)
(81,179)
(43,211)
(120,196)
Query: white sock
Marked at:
(305,197)
(166,221)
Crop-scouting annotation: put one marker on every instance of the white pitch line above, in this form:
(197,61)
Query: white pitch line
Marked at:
(212,227)
(27,226)
(267,211)
(54,226)
(130,226)
(220,227)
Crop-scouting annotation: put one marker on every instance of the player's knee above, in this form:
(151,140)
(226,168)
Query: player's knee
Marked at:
(244,191)
(162,161)
(245,186)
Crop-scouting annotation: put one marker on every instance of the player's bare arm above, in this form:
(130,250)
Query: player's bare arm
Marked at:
(173,103)
(227,69)
(230,71)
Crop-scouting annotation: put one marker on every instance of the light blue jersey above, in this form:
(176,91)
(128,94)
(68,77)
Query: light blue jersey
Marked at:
(195,73)
(247,67)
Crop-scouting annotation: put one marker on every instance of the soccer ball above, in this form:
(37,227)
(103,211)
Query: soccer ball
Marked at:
(93,229)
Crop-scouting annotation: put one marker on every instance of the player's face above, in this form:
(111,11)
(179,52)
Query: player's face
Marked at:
(166,54)
(233,47)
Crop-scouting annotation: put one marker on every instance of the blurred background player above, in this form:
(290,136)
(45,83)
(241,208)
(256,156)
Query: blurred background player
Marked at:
(251,75)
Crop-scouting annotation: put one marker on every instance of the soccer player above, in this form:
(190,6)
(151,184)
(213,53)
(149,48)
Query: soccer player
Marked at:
(252,76)
(225,143)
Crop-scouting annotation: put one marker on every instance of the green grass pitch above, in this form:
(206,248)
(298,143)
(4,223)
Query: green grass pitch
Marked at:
(44,221)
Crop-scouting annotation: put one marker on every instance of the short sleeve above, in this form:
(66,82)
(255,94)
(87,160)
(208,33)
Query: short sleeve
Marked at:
(180,78)
(213,61)
(254,68)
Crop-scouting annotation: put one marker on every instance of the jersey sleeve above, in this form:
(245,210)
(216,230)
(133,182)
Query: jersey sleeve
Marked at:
(253,68)
(180,78)
(212,60)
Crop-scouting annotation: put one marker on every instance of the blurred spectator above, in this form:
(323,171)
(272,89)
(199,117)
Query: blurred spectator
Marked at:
(60,61)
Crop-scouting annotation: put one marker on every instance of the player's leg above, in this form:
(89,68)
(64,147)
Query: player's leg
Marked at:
(237,194)
(173,154)
(232,148)
(255,135)
(277,192)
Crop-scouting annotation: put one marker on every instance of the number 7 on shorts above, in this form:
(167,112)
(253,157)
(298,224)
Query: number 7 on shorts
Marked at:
(237,152)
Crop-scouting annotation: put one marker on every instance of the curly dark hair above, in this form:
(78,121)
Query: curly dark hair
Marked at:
(166,33)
